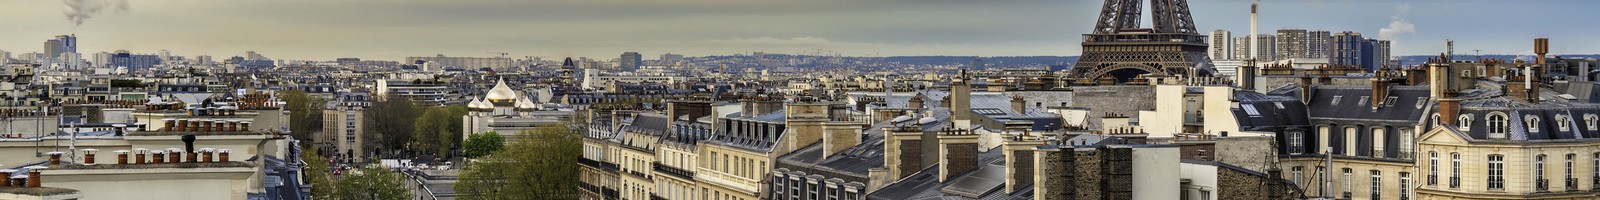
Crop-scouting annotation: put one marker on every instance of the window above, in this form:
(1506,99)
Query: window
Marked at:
(1435,119)
(1296,143)
(1497,172)
(1563,123)
(1377,185)
(1464,122)
(1377,142)
(1433,168)
(1250,109)
(1572,182)
(1592,121)
(1497,125)
(1596,170)
(1347,183)
(1455,170)
(1350,141)
(1390,101)
(1278,104)
(1540,183)
(1406,146)
(1532,123)
(1295,172)
(1405,185)
(1336,99)
(1362,101)
(1422,101)
(1321,172)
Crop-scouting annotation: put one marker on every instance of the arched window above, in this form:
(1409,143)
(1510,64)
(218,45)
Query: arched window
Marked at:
(1497,125)
(1563,123)
(1434,119)
(1532,122)
(1465,122)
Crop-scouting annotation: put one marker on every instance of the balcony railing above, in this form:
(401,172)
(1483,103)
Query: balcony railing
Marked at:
(1455,182)
(1542,185)
(674,171)
(1347,195)
(1407,155)
(654,197)
(1433,180)
(1378,154)
(1572,184)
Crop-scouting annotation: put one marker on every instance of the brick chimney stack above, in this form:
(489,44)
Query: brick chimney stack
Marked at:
(122,157)
(55,158)
(88,156)
(958,153)
(1541,46)
(157,157)
(222,155)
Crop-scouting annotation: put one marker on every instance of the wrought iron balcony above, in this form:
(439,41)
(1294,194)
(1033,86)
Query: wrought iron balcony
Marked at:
(1542,185)
(1572,184)
(1407,155)
(1455,182)
(1433,180)
(673,171)
(1378,154)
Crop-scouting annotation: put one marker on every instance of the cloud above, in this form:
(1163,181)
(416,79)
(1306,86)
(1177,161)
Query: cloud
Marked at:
(1397,24)
(1396,28)
(79,10)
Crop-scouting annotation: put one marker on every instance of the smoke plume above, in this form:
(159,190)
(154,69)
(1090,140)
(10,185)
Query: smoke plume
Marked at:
(79,10)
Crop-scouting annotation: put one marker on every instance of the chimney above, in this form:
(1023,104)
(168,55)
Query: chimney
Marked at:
(1247,75)
(903,150)
(1541,46)
(960,100)
(5,177)
(175,155)
(171,124)
(1416,75)
(958,153)
(1449,108)
(205,154)
(1380,91)
(222,155)
(840,136)
(1305,89)
(1439,79)
(244,126)
(55,158)
(33,177)
(88,156)
(138,155)
(183,125)
(122,157)
(157,157)
(1019,105)
(915,102)
(188,144)
(121,129)
(1019,162)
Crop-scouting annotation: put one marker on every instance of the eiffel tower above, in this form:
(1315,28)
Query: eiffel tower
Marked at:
(1120,50)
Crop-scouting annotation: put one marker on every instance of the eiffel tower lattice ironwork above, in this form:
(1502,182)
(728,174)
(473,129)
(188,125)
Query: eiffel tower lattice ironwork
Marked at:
(1120,49)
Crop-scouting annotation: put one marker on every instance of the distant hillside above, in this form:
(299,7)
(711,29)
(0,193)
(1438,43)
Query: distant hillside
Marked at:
(1419,59)
(991,61)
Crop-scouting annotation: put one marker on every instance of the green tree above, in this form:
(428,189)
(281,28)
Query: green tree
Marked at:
(305,113)
(483,144)
(322,186)
(541,163)
(390,120)
(431,128)
(453,135)
(373,183)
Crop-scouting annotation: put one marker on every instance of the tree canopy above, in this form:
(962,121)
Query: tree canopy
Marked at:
(541,163)
(305,113)
(373,183)
(322,186)
(389,122)
(483,144)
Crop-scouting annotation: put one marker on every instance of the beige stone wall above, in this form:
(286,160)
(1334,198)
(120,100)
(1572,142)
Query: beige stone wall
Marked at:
(1360,172)
(1519,169)
(732,170)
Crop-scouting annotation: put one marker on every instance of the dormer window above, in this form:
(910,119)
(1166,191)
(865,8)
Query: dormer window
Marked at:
(1563,123)
(1497,125)
(1590,120)
(1336,99)
(1532,122)
(1362,102)
(1465,122)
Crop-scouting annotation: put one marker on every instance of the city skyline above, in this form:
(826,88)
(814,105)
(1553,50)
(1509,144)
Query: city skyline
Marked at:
(315,30)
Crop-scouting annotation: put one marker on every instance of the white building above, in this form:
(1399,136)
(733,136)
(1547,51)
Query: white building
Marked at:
(506,112)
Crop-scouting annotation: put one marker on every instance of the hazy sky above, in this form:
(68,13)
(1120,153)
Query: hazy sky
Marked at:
(393,29)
